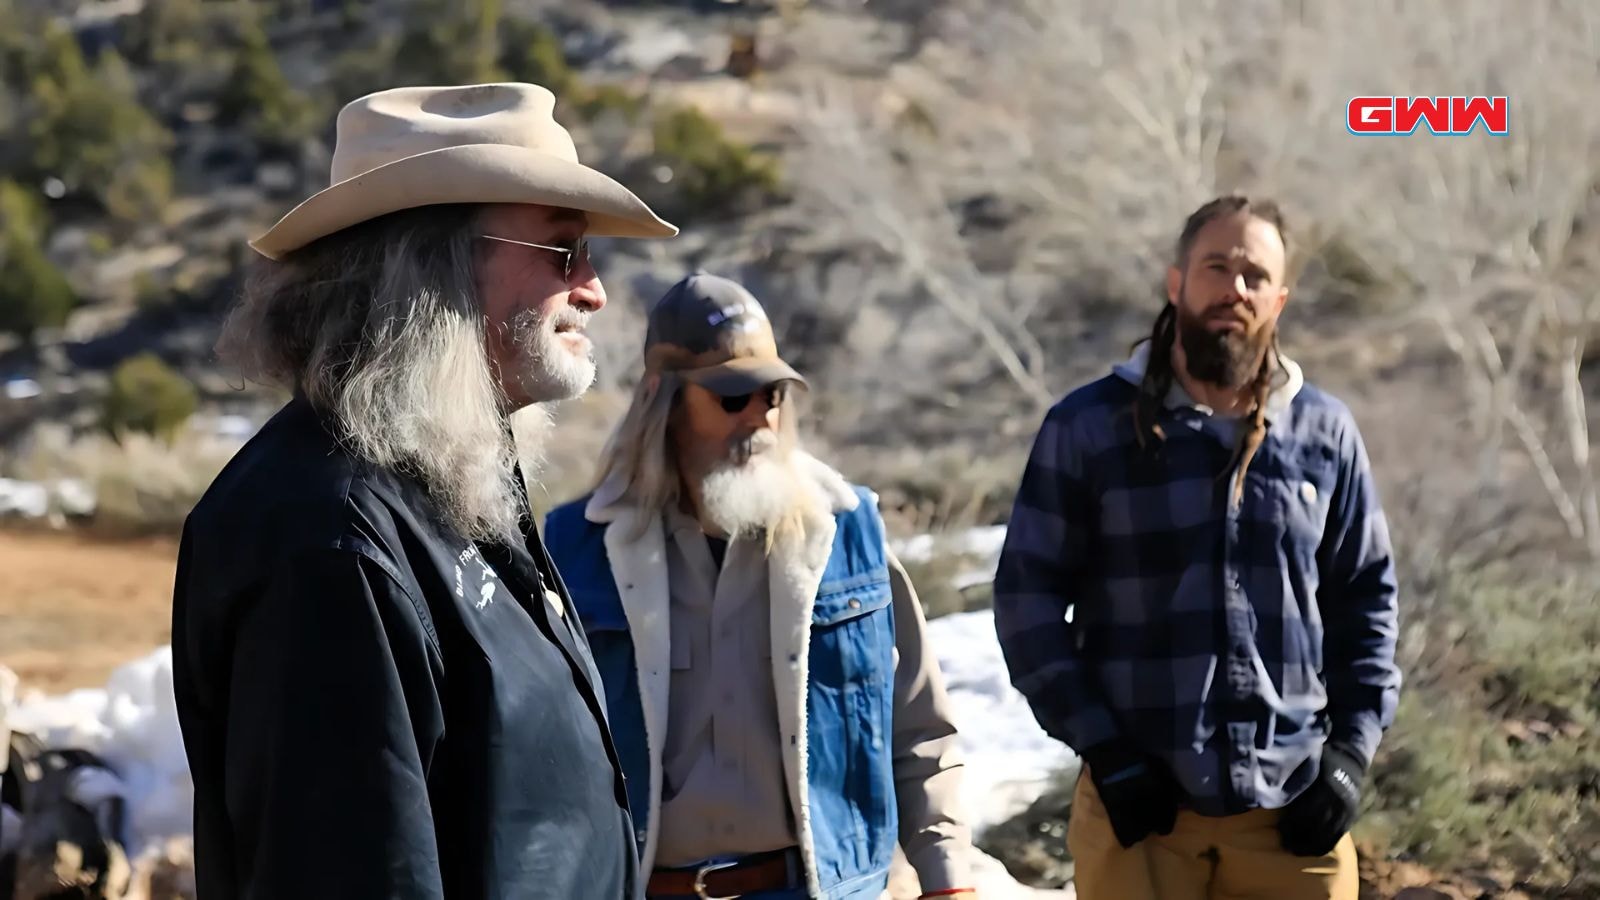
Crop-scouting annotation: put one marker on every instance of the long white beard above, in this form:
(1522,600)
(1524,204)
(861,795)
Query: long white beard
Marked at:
(546,369)
(754,497)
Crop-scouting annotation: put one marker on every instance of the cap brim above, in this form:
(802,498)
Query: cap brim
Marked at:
(743,376)
(475,173)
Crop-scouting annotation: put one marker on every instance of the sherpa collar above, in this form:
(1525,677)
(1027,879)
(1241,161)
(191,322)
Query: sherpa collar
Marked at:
(1290,380)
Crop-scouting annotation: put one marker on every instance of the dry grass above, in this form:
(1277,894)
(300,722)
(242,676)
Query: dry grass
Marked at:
(142,485)
(1493,763)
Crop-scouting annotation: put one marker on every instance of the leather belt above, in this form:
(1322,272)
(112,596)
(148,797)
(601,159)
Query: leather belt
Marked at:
(721,881)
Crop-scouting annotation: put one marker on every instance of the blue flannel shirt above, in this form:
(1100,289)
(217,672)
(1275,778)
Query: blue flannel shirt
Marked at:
(1133,601)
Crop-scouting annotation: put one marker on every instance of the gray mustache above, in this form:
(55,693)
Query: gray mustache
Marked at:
(528,321)
(742,448)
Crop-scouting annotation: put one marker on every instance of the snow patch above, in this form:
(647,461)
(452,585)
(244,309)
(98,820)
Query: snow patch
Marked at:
(133,724)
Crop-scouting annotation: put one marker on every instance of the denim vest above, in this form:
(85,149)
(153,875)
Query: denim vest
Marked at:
(849,678)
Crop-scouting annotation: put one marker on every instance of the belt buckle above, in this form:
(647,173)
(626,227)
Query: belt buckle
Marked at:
(700,880)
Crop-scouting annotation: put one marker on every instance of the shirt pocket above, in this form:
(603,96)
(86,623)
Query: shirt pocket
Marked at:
(1302,499)
(852,631)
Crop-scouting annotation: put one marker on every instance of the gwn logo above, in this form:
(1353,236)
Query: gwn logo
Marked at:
(1442,115)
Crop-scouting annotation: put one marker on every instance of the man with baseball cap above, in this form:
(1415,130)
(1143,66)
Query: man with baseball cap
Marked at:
(776,705)
(380,692)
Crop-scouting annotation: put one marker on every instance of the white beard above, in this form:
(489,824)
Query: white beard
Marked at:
(545,368)
(530,430)
(754,497)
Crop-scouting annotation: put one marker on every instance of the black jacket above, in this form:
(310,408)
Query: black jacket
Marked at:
(374,707)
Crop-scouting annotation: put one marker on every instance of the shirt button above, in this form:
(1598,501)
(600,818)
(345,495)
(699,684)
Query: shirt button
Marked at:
(854,603)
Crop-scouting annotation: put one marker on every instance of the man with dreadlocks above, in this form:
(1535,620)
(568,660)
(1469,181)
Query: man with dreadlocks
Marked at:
(1197,593)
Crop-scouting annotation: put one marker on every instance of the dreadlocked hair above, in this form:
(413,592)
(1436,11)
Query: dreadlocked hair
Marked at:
(1158,374)
(1157,379)
(1250,441)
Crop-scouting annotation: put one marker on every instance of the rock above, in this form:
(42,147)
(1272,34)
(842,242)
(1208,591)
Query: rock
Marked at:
(1033,844)
(277,177)
(78,864)
(165,872)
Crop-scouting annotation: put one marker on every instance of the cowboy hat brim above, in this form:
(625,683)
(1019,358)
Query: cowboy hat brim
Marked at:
(471,173)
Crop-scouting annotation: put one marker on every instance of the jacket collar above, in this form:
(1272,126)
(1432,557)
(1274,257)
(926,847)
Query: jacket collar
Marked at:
(1290,379)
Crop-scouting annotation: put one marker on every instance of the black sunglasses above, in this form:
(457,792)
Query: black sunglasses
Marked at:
(774,393)
(573,251)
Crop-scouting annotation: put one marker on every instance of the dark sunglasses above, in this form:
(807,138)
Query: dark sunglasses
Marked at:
(774,393)
(573,251)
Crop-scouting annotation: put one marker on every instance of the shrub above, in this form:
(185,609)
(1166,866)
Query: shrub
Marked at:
(1492,761)
(532,53)
(89,130)
(459,45)
(148,396)
(604,99)
(257,94)
(141,485)
(34,294)
(711,173)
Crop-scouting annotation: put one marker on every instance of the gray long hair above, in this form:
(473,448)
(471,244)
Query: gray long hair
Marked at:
(638,459)
(380,326)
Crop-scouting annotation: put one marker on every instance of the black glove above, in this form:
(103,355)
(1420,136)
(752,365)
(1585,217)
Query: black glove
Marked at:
(1139,794)
(1315,821)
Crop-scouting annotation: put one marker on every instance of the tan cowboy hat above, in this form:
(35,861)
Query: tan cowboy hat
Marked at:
(482,143)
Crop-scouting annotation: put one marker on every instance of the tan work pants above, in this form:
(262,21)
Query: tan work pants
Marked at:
(1203,858)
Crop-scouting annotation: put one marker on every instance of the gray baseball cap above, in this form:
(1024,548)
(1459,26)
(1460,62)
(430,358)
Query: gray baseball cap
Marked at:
(713,332)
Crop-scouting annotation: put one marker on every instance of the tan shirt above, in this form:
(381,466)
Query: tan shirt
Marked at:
(724,790)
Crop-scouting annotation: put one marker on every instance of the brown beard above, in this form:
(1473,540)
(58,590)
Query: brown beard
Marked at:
(1227,359)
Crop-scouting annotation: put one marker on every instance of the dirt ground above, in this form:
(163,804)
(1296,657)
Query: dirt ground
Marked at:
(73,608)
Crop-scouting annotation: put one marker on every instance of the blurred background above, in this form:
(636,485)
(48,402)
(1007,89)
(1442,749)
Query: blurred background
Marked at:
(956,211)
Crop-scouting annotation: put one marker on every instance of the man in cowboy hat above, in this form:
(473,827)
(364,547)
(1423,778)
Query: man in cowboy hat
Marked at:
(777,707)
(380,692)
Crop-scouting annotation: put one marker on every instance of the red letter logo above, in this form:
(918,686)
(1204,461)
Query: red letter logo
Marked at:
(1466,111)
(1370,115)
(1408,111)
(1442,115)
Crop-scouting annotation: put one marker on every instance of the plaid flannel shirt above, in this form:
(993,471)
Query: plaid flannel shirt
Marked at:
(1133,601)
